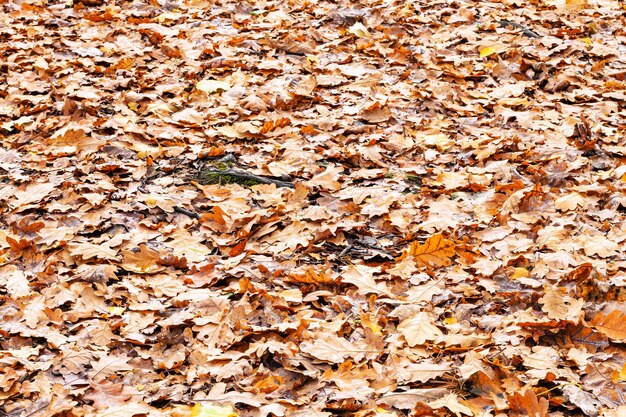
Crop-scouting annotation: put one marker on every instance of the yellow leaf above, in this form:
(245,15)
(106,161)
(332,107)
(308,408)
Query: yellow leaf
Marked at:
(439,140)
(621,376)
(116,311)
(449,321)
(436,251)
(209,410)
(495,48)
(367,321)
(487,51)
(520,273)
(575,4)
(167,17)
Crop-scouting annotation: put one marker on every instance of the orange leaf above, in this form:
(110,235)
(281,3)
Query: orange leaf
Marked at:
(612,325)
(215,218)
(17,246)
(311,276)
(269,384)
(143,260)
(238,248)
(436,251)
(528,405)
(26,226)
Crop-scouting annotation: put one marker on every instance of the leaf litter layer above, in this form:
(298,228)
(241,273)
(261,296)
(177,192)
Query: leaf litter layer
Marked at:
(436,225)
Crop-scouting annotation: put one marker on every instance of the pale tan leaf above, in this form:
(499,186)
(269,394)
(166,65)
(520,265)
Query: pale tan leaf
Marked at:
(362,277)
(452,403)
(408,371)
(34,192)
(569,202)
(419,329)
(559,306)
(211,86)
(108,365)
(599,245)
(329,347)
(89,250)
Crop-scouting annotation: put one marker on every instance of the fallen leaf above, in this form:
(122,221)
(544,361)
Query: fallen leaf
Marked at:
(359,30)
(527,404)
(436,251)
(88,250)
(613,325)
(212,86)
(419,329)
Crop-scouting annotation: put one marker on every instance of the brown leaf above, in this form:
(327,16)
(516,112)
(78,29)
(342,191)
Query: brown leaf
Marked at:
(613,325)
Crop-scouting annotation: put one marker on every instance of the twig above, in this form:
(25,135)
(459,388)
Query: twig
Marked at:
(187,212)
(527,32)
(246,176)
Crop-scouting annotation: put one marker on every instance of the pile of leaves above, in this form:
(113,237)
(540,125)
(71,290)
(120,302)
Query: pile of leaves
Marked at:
(435,226)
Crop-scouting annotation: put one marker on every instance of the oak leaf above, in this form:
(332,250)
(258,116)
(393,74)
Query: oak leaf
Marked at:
(452,403)
(436,251)
(106,393)
(559,306)
(211,86)
(89,250)
(108,365)
(612,325)
(142,261)
(330,348)
(126,410)
(407,370)
(419,329)
(528,404)
(362,277)
(599,245)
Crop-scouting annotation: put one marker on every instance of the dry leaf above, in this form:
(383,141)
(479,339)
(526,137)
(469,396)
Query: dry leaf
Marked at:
(612,325)
(527,404)
(329,348)
(436,251)
(211,86)
(419,329)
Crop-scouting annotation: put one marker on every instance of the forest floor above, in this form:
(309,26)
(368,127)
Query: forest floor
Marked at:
(312,208)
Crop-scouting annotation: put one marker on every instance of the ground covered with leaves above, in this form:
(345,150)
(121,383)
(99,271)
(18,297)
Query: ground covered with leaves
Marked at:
(312,208)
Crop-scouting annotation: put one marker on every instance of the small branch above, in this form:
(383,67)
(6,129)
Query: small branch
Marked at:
(245,176)
(527,32)
(189,213)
